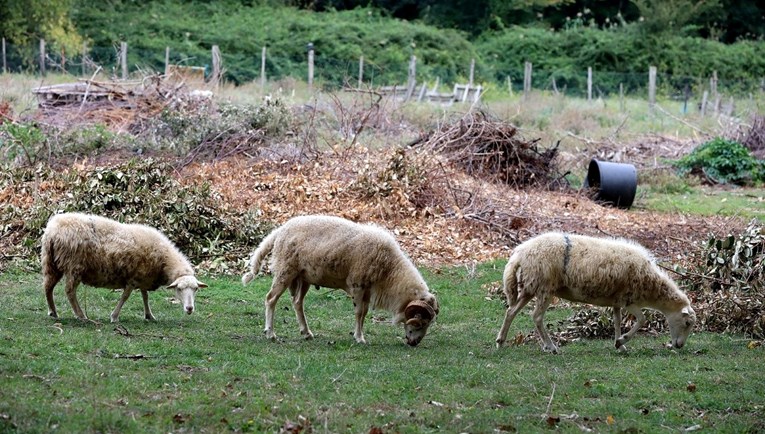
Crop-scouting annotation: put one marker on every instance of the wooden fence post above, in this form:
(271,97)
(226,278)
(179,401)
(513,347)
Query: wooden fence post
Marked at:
(5,65)
(42,56)
(84,59)
(713,85)
(527,71)
(651,87)
(263,69)
(167,61)
(361,71)
(472,71)
(217,67)
(310,65)
(704,98)
(411,81)
(510,85)
(589,83)
(123,60)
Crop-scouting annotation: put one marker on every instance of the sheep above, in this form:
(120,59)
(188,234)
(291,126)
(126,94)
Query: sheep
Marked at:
(105,253)
(601,271)
(363,260)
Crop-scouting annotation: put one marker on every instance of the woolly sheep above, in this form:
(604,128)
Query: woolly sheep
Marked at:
(105,253)
(604,272)
(363,260)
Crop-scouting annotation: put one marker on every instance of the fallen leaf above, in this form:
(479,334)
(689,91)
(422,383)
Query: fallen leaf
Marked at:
(691,387)
(610,420)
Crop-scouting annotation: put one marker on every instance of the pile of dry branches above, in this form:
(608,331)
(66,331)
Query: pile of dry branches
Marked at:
(490,149)
(755,139)
(120,105)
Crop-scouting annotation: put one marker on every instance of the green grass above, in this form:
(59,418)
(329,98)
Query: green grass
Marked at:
(747,203)
(214,372)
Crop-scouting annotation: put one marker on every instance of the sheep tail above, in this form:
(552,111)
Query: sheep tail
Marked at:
(47,258)
(510,279)
(257,257)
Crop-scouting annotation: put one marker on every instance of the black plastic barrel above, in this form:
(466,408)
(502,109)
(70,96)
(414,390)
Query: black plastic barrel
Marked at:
(614,183)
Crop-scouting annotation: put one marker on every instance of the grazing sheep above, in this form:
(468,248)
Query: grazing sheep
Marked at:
(363,260)
(104,253)
(604,272)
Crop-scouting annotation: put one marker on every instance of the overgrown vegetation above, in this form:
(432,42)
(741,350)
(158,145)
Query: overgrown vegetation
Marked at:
(619,52)
(723,161)
(137,191)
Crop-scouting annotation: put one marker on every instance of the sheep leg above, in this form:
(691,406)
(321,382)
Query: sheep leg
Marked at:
(71,293)
(361,307)
(298,296)
(146,309)
(278,287)
(115,316)
(543,302)
(639,322)
(618,328)
(509,316)
(49,282)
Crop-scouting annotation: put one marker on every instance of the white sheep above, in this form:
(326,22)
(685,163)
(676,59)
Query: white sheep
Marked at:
(105,253)
(601,271)
(363,260)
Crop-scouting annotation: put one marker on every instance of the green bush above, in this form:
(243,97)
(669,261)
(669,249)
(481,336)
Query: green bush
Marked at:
(722,161)
(190,29)
(193,216)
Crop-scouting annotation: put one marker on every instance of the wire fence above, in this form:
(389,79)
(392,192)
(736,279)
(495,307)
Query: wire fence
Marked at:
(332,73)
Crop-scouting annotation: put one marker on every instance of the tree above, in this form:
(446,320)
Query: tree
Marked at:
(675,16)
(22,22)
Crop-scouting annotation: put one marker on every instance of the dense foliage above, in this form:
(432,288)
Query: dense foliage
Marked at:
(339,39)
(618,40)
(728,20)
(723,161)
(619,56)
(145,191)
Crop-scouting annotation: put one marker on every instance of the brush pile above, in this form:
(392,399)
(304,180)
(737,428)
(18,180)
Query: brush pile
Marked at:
(755,138)
(490,149)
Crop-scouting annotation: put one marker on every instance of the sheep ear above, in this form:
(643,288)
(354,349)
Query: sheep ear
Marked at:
(201,284)
(685,311)
(417,307)
(174,284)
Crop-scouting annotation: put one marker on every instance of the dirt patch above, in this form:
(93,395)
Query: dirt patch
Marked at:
(450,218)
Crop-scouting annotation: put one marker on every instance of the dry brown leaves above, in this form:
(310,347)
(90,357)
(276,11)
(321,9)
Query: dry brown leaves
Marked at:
(462,220)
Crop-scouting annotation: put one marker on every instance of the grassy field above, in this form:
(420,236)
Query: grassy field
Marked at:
(747,203)
(214,372)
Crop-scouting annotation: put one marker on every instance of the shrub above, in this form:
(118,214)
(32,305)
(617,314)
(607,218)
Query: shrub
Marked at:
(192,215)
(722,161)
(733,268)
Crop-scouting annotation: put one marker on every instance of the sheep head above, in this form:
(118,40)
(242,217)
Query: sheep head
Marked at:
(419,314)
(680,325)
(185,289)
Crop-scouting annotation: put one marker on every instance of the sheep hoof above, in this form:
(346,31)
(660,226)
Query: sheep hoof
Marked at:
(150,318)
(621,348)
(500,342)
(113,319)
(308,335)
(270,335)
(53,314)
